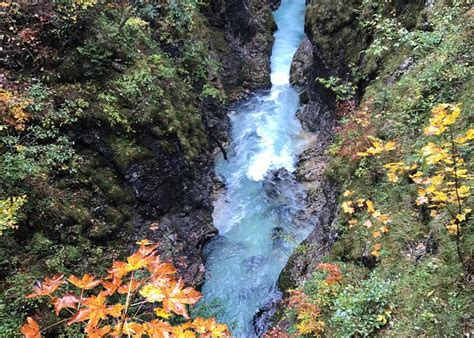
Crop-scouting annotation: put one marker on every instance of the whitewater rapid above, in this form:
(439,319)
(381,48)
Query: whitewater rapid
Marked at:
(255,216)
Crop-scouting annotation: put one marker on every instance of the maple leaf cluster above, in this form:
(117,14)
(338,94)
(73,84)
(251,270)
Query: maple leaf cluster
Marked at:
(333,271)
(308,314)
(139,297)
(377,222)
(310,309)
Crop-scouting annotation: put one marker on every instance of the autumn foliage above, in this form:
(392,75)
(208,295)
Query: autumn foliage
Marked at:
(139,297)
(438,169)
(309,311)
(353,130)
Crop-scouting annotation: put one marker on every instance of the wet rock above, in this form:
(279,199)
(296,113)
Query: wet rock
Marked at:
(278,237)
(335,33)
(274,4)
(402,69)
(278,182)
(286,197)
(262,318)
(245,45)
(301,64)
(317,118)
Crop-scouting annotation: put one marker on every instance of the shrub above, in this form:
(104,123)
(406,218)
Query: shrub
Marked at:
(362,309)
(117,304)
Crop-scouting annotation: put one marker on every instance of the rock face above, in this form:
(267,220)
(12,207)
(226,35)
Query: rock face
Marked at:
(175,198)
(246,46)
(274,4)
(332,28)
(301,65)
(173,195)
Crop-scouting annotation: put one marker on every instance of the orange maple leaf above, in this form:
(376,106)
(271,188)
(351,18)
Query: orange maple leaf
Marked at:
(130,329)
(97,332)
(161,270)
(68,301)
(115,310)
(119,269)
(112,286)
(81,316)
(31,329)
(138,260)
(176,298)
(131,286)
(87,281)
(95,310)
(158,329)
(147,250)
(47,287)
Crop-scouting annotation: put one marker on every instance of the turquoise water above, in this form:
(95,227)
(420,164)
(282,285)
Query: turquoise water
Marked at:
(257,219)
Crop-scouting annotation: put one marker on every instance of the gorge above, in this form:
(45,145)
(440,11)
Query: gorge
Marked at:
(256,211)
(236,168)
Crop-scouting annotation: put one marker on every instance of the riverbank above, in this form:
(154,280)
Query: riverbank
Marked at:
(111,114)
(393,268)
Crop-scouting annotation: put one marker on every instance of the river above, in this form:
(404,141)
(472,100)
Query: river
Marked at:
(257,214)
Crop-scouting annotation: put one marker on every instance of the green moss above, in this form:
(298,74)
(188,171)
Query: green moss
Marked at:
(107,181)
(334,30)
(126,151)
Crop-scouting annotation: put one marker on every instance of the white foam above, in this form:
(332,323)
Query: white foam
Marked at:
(280,78)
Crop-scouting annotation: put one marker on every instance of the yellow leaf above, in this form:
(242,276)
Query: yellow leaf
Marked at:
(452,229)
(152,293)
(392,177)
(370,206)
(376,234)
(384,219)
(463,139)
(353,221)
(348,193)
(375,253)
(346,207)
(160,312)
(463,191)
(391,145)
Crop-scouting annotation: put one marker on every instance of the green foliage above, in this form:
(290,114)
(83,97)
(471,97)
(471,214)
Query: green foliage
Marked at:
(416,285)
(9,212)
(213,93)
(344,91)
(179,19)
(13,304)
(43,149)
(362,309)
